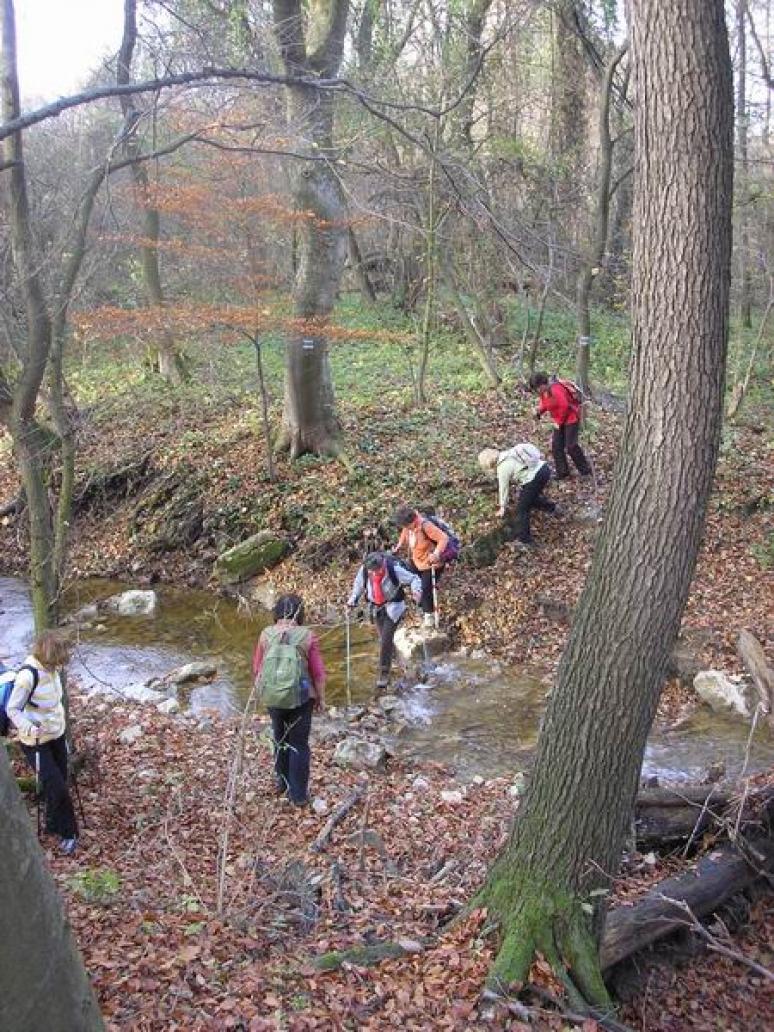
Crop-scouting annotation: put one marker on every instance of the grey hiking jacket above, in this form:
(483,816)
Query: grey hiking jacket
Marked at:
(396,609)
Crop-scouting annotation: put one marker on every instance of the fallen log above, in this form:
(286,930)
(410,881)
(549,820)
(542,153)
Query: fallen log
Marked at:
(754,659)
(664,817)
(368,955)
(716,878)
(337,817)
(668,816)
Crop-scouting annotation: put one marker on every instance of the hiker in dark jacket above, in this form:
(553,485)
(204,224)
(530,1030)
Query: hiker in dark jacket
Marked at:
(291,727)
(425,542)
(558,400)
(36,709)
(382,580)
(523,465)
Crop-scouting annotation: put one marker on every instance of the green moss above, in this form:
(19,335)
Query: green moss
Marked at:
(361,956)
(258,553)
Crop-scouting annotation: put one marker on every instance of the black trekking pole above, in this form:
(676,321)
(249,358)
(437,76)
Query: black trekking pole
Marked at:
(78,799)
(37,786)
(76,786)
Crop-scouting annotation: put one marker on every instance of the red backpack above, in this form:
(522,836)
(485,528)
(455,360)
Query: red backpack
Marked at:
(574,392)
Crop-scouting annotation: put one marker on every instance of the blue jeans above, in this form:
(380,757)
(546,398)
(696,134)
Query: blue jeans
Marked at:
(290,729)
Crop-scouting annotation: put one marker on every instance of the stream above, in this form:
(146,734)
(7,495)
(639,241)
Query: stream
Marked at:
(474,714)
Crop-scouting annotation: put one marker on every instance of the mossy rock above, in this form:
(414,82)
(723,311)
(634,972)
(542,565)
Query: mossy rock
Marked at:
(258,553)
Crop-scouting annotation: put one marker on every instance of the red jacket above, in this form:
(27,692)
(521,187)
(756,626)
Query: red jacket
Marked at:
(557,402)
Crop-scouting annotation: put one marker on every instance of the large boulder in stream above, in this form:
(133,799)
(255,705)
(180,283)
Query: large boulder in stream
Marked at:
(722,693)
(420,643)
(196,671)
(258,553)
(133,603)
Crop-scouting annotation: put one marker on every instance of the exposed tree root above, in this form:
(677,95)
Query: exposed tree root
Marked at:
(550,922)
(297,443)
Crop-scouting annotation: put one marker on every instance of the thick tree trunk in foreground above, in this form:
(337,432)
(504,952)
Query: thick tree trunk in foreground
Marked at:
(43,984)
(548,887)
(309,421)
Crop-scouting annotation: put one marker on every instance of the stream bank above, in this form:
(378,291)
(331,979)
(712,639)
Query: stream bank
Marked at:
(475,715)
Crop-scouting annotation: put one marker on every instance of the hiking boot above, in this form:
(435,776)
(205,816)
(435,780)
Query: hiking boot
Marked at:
(428,620)
(383,679)
(68,846)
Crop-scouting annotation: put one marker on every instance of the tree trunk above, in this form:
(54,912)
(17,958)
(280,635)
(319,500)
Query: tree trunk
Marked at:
(474,18)
(43,984)
(480,343)
(568,111)
(548,886)
(359,269)
(30,441)
(169,361)
(61,414)
(309,421)
(742,186)
(592,260)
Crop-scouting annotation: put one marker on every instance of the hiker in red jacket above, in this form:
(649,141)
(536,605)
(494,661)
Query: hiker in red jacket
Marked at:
(559,401)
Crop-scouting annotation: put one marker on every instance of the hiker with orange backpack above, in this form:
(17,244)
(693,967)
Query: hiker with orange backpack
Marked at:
(561,399)
(430,545)
(383,582)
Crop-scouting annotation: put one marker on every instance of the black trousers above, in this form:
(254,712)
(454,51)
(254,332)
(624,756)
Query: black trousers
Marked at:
(426,603)
(290,730)
(60,815)
(386,628)
(531,497)
(564,442)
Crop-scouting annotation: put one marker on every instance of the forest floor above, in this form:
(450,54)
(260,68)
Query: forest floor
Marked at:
(200,902)
(204,441)
(143,892)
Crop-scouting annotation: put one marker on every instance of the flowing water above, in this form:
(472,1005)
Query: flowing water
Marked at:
(477,715)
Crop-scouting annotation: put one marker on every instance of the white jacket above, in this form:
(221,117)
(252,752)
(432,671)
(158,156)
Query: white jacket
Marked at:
(38,715)
(519,464)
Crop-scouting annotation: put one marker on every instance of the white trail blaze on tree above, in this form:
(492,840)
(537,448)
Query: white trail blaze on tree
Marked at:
(549,885)
(310,423)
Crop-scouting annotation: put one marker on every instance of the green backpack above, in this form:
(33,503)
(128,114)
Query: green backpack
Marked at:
(283,682)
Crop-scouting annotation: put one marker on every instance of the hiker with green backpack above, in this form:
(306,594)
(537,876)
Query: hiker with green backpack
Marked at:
(383,581)
(290,679)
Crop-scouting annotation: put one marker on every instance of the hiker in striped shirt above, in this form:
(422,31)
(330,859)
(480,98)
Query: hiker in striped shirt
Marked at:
(36,709)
